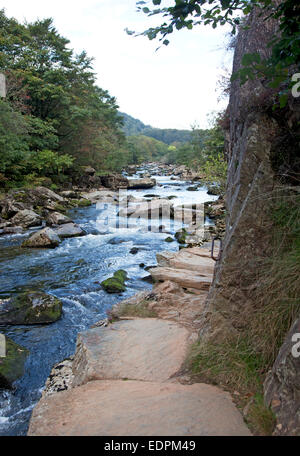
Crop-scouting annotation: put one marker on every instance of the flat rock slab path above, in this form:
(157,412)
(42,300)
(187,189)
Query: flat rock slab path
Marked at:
(125,380)
(133,408)
(147,349)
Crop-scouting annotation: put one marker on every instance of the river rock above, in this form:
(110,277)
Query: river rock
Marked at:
(142,349)
(45,238)
(60,378)
(114,181)
(179,170)
(188,259)
(56,218)
(115,284)
(42,194)
(30,308)
(10,207)
(26,219)
(69,194)
(69,230)
(143,183)
(102,196)
(12,365)
(152,210)
(11,230)
(183,277)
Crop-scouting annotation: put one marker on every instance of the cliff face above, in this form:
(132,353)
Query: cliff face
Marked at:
(250,181)
(256,134)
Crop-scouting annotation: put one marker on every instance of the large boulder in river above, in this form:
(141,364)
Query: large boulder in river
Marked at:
(69,230)
(11,230)
(56,218)
(26,219)
(30,308)
(45,238)
(42,195)
(114,181)
(12,364)
(146,182)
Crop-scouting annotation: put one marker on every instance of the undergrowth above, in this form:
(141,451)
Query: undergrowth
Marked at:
(240,364)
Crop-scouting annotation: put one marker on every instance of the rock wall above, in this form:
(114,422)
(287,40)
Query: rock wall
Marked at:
(255,133)
(250,181)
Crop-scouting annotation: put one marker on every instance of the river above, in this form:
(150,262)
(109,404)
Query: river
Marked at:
(73,272)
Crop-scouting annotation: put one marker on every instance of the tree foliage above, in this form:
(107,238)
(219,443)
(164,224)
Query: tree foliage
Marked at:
(169,136)
(53,97)
(285,45)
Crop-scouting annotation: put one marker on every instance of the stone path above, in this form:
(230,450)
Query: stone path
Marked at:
(125,378)
(132,408)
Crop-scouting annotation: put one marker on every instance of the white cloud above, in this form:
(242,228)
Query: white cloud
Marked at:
(171,88)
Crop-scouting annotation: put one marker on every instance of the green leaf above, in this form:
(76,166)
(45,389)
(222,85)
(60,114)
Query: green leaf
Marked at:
(283,99)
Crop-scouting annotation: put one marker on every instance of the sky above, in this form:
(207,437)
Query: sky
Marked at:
(174,87)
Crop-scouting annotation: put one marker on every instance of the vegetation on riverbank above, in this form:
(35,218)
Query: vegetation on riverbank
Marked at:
(56,120)
(240,364)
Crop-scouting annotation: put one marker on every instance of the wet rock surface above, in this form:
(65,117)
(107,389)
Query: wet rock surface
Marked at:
(68,230)
(30,308)
(12,365)
(45,238)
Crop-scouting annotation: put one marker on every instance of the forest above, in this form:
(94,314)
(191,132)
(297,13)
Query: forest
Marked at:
(55,119)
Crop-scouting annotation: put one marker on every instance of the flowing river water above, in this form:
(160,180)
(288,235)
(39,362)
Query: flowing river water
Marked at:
(73,272)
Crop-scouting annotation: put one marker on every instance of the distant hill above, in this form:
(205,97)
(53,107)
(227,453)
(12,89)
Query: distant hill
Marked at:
(133,127)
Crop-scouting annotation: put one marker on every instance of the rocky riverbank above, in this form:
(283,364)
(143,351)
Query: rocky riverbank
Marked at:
(128,364)
(52,222)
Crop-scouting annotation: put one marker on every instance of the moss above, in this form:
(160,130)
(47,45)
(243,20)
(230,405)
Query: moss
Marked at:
(84,202)
(115,284)
(45,313)
(59,208)
(12,366)
(121,275)
(31,308)
(169,239)
(181,236)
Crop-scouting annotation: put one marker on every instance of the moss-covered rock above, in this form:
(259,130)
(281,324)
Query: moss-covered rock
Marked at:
(58,207)
(169,239)
(12,365)
(115,284)
(30,308)
(181,236)
(83,202)
(171,197)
